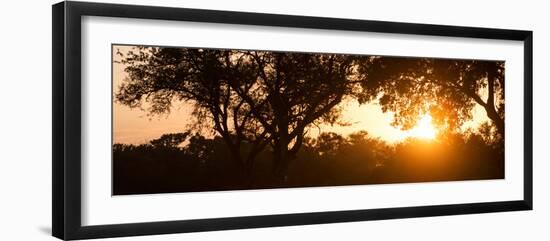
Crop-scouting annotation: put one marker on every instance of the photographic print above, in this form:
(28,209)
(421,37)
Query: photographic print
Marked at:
(188,119)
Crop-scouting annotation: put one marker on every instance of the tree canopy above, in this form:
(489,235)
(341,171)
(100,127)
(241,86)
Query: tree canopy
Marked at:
(258,97)
(448,89)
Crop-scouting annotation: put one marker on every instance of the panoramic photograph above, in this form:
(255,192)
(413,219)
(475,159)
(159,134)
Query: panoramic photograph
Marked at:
(188,119)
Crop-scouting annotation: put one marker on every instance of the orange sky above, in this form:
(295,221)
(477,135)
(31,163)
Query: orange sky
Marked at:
(133,126)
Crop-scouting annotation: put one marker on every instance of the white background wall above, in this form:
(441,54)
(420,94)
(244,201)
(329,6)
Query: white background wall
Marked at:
(25,120)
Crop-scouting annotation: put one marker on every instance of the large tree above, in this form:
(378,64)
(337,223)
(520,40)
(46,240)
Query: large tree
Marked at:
(446,88)
(252,99)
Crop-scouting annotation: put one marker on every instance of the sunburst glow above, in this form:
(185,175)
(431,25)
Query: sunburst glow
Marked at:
(424,129)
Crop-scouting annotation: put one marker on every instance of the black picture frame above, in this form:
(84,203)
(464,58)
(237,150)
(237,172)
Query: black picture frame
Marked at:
(66,141)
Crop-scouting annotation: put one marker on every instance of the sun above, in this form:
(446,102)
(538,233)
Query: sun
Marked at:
(423,129)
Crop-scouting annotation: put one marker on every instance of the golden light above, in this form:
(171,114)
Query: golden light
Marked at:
(423,129)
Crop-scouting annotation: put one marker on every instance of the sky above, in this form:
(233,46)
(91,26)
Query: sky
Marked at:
(134,126)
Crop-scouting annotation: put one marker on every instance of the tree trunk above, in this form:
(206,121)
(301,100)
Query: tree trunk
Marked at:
(490,104)
(281,161)
(495,118)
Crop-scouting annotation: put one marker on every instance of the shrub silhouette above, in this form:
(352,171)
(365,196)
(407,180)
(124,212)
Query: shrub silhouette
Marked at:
(204,164)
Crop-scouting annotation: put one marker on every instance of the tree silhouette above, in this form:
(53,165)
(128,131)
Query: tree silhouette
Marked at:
(252,99)
(446,88)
